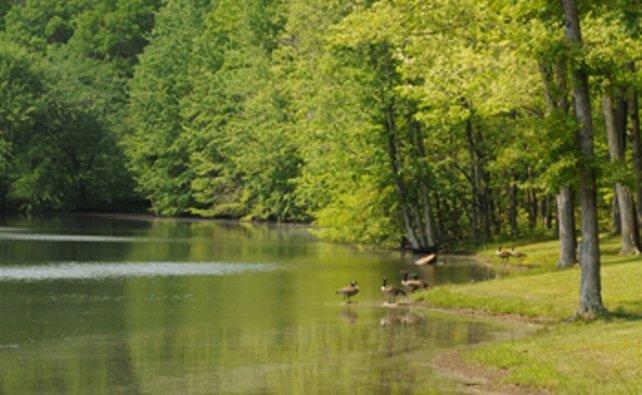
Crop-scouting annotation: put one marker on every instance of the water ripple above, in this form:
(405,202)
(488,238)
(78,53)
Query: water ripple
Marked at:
(77,238)
(100,270)
(11,229)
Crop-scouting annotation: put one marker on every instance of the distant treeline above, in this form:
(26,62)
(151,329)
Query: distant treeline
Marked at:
(386,122)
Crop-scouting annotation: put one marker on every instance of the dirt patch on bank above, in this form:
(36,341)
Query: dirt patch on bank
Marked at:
(474,378)
(512,317)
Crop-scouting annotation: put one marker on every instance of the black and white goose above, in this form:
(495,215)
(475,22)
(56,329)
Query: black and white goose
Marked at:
(414,284)
(391,291)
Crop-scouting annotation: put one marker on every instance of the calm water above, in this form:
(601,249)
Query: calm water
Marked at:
(129,304)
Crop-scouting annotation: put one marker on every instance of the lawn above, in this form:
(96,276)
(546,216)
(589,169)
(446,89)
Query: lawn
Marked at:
(544,255)
(603,356)
(600,357)
(549,296)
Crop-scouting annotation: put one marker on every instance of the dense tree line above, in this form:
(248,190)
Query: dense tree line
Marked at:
(387,122)
(64,67)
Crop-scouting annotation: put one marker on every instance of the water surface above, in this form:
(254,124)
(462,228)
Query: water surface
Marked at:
(98,304)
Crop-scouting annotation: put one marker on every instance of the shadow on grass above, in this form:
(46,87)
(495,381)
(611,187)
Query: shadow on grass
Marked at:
(621,313)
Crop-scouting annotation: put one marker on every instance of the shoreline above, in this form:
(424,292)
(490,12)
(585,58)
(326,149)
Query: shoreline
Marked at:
(473,377)
(150,217)
(540,294)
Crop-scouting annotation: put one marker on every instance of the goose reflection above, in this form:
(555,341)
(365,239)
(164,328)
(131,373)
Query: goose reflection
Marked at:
(348,315)
(401,318)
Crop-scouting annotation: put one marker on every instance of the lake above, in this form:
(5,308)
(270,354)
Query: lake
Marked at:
(133,304)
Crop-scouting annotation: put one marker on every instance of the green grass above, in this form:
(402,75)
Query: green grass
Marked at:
(547,296)
(544,255)
(603,356)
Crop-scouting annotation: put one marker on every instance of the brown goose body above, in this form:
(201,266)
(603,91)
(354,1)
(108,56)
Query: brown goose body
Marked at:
(504,254)
(414,284)
(516,254)
(349,291)
(391,291)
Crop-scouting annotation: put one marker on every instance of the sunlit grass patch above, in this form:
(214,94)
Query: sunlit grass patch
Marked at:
(544,255)
(603,357)
(598,357)
(552,296)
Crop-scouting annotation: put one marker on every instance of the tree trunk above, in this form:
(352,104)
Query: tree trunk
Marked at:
(409,207)
(615,118)
(474,170)
(428,225)
(512,209)
(590,284)
(550,213)
(630,244)
(390,124)
(455,216)
(634,133)
(441,228)
(566,224)
(555,89)
(402,195)
(547,212)
(418,226)
(489,204)
(532,208)
(429,228)
(495,210)
(615,214)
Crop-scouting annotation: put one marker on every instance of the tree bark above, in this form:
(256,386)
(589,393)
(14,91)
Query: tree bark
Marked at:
(489,204)
(495,210)
(428,223)
(455,213)
(441,228)
(429,228)
(531,200)
(634,133)
(615,117)
(590,302)
(547,211)
(512,209)
(555,89)
(615,214)
(399,185)
(474,170)
(416,234)
(566,224)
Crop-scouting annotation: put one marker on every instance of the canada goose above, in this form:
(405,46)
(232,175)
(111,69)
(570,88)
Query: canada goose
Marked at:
(504,254)
(426,260)
(391,291)
(349,291)
(422,283)
(414,284)
(517,254)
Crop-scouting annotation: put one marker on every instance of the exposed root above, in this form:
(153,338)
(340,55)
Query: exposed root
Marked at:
(590,313)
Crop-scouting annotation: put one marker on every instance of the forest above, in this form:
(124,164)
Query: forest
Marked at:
(486,151)
(392,123)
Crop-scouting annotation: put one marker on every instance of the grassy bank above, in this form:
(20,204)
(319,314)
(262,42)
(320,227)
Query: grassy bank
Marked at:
(542,256)
(597,357)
